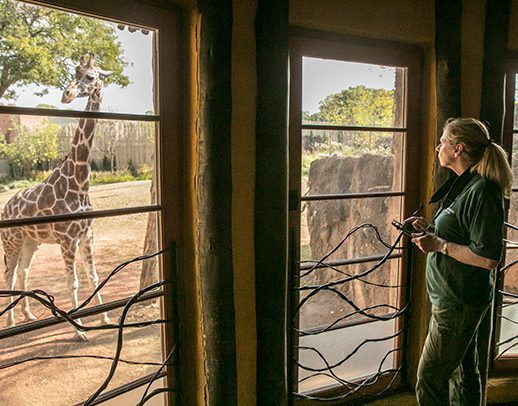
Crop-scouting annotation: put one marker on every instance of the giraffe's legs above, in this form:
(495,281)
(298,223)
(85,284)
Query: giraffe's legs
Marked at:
(69,251)
(86,250)
(12,242)
(29,248)
(11,257)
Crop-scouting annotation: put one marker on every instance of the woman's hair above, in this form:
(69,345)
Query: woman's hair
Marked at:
(485,156)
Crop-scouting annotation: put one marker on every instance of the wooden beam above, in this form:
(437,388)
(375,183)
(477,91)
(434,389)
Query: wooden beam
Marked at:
(271,201)
(493,74)
(448,14)
(214,201)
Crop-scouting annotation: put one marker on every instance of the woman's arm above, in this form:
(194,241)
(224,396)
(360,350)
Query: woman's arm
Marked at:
(462,253)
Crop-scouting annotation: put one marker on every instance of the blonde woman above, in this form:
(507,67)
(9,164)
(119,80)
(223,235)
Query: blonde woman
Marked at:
(464,246)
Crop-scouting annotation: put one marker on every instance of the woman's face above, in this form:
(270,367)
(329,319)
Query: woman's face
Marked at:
(446,152)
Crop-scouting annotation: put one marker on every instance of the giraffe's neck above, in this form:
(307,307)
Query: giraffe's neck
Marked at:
(81,147)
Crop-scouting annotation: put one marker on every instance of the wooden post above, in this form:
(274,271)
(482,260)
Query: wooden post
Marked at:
(448,18)
(214,201)
(271,201)
(493,74)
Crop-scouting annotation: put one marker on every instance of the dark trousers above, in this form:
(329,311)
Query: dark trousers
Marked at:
(448,369)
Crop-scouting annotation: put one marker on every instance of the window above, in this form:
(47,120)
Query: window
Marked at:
(89,108)
(353,128)
(506,323)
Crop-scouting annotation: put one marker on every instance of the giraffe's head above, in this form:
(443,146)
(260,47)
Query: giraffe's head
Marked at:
(88,81)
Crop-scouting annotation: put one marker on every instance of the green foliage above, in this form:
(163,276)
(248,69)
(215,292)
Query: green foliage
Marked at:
(355,106)
(41,46)
(105,177)
(31,149)
(358,106)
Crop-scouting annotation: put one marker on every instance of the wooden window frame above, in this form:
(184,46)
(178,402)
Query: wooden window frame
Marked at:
(168,146)
(318,44)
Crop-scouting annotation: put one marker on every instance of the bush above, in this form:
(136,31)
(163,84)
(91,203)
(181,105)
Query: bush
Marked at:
(32,150)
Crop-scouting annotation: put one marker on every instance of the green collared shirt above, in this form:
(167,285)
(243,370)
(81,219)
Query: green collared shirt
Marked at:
(476,219)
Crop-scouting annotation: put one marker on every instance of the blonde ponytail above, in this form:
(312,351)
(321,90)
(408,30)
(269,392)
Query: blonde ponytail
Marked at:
(487,158)
(495,167)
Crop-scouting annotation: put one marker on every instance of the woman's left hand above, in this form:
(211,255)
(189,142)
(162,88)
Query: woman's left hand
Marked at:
(427,242)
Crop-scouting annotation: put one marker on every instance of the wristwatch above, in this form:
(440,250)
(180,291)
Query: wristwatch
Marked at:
(444,248)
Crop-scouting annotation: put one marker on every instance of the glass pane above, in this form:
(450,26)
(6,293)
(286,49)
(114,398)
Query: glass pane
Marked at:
(40,160)
(41,48)
(115,240)
(324,224)
(355,94)
(336,345)
(509,311)
(351,162)
(71,380)
(322,308)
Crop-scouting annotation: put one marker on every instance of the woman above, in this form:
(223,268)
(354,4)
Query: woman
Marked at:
(463,250)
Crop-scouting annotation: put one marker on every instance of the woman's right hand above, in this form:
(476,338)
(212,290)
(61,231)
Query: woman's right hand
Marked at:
(419,223)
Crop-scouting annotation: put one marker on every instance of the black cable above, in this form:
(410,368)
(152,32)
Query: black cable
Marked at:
(348,356)
(325,265)
(122,318)
(317,288)
(66,356)
(117,269)
(342,241)
(155,376)
(158,392)
(330,326)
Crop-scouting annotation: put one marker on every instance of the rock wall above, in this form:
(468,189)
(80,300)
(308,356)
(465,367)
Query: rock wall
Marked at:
(330,221)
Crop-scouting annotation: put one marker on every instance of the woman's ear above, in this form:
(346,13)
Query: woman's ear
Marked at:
(459,149)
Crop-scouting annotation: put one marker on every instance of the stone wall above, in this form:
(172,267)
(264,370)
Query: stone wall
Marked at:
(330,221)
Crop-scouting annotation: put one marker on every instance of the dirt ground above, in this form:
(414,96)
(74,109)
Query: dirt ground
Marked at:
(69,381)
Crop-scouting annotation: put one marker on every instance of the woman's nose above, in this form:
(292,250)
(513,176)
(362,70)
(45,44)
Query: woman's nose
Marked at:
(438,147)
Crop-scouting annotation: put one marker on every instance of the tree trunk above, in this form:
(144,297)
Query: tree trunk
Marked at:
(149,273)
(3,89)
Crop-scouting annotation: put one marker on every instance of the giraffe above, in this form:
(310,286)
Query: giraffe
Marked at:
(65,190)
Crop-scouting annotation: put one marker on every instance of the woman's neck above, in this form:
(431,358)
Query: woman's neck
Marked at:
(460,166)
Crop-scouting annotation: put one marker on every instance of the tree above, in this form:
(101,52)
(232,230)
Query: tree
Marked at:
(32,149)
(355,106)
(359,106)
(41,46)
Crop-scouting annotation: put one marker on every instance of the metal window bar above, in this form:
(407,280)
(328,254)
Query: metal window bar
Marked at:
(29,111)
(334,127)
(91,311)
(346,196)
(93,214)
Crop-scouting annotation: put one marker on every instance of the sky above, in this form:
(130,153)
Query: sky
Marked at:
(136,98)
(322,77)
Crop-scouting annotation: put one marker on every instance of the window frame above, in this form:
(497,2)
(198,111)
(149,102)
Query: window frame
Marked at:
(318,44)
(507,363)
(168,146)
